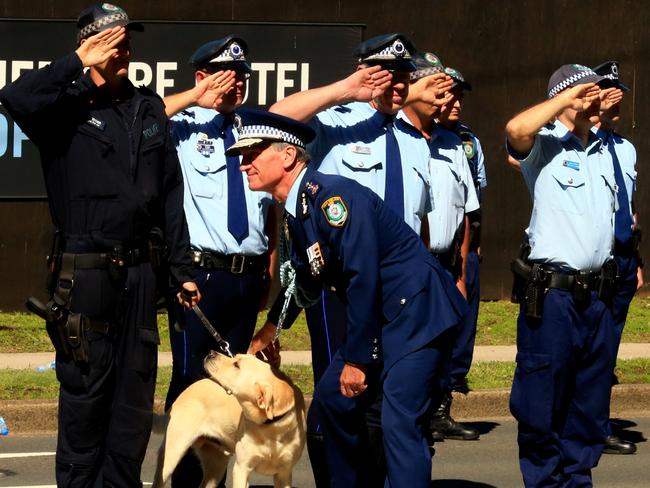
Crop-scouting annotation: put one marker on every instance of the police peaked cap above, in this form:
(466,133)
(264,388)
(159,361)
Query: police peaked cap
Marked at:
(426,64)
(257,126)
(570,75)
(390,51)
(102,16)
(610,71)
(459,79)
(226,53)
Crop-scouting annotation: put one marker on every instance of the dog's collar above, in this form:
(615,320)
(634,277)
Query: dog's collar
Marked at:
(275,419)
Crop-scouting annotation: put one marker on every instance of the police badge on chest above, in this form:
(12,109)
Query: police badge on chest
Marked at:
(315,258)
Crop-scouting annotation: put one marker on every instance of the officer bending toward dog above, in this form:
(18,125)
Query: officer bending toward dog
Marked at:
(232,229)
(115,194)
(565,346)
(400,302)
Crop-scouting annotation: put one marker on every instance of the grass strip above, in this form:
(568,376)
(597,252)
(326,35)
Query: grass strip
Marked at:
(497,325)
(31,385)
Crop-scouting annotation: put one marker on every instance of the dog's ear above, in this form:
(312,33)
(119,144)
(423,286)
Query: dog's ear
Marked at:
(275,399)
(264,398)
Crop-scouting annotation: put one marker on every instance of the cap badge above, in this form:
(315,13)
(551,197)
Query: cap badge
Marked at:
(236,51)
(335,211)
(399,49)
(615,70)
(580,67)
(110,7)
(432,58)
(204,145)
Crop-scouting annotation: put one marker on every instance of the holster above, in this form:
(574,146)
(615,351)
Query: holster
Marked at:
(521,272)
(609,282)
(534,292)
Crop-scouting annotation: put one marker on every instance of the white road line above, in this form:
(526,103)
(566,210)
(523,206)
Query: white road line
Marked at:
(11,455)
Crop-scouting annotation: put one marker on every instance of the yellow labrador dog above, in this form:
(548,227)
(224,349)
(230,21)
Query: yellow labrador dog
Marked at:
(246,408)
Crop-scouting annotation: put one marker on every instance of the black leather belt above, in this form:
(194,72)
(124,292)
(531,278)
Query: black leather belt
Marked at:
(119,256)
(588,280)
(235,263)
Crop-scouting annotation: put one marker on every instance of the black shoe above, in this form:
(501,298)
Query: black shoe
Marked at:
(616,445)
(445,427)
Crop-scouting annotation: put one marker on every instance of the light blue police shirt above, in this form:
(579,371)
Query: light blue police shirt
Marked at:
(197,133)
(626,155)
(452,188)
(351,141)
(574,200)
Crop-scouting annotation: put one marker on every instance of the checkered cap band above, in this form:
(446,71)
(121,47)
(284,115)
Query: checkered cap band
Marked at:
(99,24)
(233,52)
(421,73)
(566,83)
(397,50)
(267,132)
(611,76)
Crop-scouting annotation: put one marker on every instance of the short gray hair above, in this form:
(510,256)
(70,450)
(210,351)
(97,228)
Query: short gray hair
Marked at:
(301,153)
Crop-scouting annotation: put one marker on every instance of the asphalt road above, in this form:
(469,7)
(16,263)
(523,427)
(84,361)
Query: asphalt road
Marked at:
(488,463)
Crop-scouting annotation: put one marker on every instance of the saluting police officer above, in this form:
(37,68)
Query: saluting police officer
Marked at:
(112,177)
(399,301)
(461,357)
(232,229)
(360,135)
(626,231)
(453,199)
(565,347)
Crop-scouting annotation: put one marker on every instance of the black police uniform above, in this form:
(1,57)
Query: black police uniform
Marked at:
(111,177)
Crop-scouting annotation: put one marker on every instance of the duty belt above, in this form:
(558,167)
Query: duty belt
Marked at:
(235,263)
(120,256)
(588,280)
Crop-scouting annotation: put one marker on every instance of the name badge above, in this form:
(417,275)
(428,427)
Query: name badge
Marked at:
(99,124)
(572,164)
(361,150)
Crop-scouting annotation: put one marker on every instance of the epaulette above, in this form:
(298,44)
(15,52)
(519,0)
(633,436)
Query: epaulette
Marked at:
(148,92)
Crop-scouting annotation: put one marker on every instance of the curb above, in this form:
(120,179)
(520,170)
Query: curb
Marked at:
(37,417)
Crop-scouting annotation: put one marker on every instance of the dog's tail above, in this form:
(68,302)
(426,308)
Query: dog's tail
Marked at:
(176,441)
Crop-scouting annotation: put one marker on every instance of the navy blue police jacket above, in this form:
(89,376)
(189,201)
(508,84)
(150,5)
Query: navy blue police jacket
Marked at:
(376,263)
(111,173)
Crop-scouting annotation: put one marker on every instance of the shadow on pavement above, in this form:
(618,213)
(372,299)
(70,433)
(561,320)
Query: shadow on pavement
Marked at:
(459,484)
(483,427)
(620,428)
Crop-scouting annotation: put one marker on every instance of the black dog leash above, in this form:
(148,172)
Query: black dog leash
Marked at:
(187,296)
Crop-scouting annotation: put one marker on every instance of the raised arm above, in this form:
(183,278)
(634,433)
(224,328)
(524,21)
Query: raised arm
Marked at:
(208,93)
(523,127)
(363,85)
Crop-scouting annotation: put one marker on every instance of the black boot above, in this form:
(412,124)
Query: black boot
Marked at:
(316,450)
(616,445)
(443,426)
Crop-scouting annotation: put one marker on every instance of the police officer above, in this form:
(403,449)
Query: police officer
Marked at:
(112,177)
(232,229)
(359,135)
(564,331)
(626,231)
(453,198)
(399,300)
(461,357)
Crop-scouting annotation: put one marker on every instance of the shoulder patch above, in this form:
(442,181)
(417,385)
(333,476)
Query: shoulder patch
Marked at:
(336,213)
(469,149)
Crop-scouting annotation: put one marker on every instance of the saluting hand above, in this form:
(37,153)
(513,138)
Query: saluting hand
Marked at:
(581,97)
(610,97)
(353,380)
(365,84)
(434,89)
(100,47)
(210,90)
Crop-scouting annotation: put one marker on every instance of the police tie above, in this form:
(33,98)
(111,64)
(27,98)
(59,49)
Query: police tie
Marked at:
(394,189)
(623,219)
(237,215)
